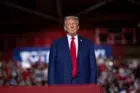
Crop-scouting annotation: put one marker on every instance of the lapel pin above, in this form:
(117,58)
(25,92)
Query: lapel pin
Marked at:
(81,40)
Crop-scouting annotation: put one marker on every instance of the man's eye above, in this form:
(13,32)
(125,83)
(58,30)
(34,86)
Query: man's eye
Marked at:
(74,23)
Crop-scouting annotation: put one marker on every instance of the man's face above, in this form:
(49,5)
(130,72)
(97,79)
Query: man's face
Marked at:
(71,26)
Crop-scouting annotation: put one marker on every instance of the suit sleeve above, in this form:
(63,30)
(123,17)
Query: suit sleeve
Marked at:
(93,66)
(51,66)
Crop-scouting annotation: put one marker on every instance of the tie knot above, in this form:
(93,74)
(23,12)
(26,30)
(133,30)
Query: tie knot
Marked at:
(72,38)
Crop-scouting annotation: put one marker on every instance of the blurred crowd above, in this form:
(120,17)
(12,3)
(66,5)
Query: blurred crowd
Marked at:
(13,74)
(114,76)
(117,76)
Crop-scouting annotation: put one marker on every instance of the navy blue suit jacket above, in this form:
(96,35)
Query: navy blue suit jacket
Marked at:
(60,65)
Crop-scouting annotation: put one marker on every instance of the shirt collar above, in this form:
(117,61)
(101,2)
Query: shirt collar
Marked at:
(69,37)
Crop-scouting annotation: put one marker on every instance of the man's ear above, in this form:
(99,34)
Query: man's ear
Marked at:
(65,28)
(78,27)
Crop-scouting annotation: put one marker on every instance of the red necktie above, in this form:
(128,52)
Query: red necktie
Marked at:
(73,57)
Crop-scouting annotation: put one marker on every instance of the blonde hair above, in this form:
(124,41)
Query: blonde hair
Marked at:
(71,17)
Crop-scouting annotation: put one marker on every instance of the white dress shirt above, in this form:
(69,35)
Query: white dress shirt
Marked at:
(75,40)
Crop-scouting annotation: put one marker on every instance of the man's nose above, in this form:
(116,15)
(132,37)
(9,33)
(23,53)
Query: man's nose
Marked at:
(72,26)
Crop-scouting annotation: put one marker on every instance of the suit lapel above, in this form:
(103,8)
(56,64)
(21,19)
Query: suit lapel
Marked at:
(68,50)
(79,46)
(66,44)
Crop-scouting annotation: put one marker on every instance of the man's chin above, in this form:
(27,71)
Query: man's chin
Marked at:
(72,34)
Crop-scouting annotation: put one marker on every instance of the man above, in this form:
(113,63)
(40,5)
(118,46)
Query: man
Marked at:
(72,59)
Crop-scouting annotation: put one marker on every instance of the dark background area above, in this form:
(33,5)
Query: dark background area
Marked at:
(24,16)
